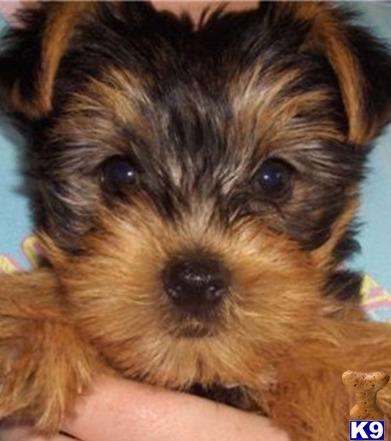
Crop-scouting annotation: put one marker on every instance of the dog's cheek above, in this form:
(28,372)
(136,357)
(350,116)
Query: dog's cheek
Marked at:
(113,289)
(280,300)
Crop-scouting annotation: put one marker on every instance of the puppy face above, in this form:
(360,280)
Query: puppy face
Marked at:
(197,185)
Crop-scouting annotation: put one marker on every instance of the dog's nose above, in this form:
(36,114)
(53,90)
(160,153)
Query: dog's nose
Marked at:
(196,285)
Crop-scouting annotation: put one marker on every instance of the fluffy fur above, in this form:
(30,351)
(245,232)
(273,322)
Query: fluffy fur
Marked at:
(199,109)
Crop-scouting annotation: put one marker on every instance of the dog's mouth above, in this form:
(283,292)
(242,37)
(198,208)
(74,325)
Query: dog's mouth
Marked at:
(231,395)
(194,328)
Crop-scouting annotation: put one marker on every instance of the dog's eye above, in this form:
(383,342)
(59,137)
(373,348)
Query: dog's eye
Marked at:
(274,177)
(119,173)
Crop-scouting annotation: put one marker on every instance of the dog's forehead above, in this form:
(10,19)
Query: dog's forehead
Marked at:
(194,108)
(203,98)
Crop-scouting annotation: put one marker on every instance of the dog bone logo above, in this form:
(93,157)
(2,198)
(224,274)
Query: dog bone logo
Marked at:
(364,387)
(366,417)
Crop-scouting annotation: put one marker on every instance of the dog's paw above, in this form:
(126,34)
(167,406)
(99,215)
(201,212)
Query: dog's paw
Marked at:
(44,364)
(43,367)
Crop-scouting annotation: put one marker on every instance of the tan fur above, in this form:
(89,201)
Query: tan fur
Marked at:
(119,94)
(279,126)
(44,364)
(323,255)
(137,299)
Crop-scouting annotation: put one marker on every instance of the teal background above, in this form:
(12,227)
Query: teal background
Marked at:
(15,222)
(375,236)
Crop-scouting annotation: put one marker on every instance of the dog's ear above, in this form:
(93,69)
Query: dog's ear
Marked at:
(361,63)
(32,51)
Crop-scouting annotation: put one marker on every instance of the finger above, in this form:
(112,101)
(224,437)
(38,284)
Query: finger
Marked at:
(195,9)
(119,410)
(25,434)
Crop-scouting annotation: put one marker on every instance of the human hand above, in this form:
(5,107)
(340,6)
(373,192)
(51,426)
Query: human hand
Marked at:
(122,410)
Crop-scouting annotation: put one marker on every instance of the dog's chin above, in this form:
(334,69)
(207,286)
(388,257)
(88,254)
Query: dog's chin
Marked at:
(195,331)
(232,395)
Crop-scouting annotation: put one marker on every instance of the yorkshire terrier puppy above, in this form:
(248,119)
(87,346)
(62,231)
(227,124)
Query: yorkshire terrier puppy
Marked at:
(195,188)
